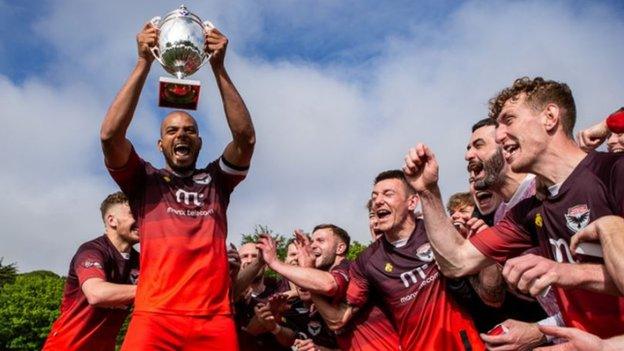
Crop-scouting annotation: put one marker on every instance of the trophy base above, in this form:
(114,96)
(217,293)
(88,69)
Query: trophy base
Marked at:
(178,93)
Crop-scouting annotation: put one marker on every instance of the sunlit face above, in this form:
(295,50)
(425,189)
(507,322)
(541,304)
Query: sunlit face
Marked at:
(392,204)
(615,142)
(373,225)
(460,216)
(179,141)
(522,134)
(485,158)
(119,218)
(291,255)
(325,247)
(249,254)
(486,201)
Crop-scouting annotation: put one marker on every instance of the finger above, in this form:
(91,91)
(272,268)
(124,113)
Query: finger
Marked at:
(559,332)
(540,285)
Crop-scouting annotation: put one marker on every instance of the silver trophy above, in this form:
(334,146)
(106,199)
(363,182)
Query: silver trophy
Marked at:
(181,52)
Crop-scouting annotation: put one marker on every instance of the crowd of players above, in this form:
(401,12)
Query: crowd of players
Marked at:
(530,256)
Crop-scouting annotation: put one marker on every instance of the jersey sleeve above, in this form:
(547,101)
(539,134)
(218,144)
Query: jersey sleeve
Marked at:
(341,277)
(359,286)
(617,184)
(615,122)
(131,177)
(508,238)
(89,263)
(228,174)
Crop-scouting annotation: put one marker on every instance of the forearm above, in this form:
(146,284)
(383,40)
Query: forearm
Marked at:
(591,277)
(614,343)
(237,116)
(285,336)
(612,242)
(312,279)
(105,294)
(334,315)
(244,278)
(490,286)
(445,240)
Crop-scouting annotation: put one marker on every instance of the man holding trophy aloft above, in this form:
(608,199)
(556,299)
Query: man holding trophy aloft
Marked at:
(182,300)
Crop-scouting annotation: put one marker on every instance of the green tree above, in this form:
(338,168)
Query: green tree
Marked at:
(280,241)
(355,249)
(7,273)
(28,306)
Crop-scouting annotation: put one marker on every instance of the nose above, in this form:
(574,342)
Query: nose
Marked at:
(469,155)
(455,215)
(501,133)
(612,140)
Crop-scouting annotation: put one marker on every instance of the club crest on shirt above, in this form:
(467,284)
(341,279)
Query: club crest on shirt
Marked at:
(539,222)
(202,178)
(424,253)
(577,217)
(388,267)
(314,328)
(134,276)
(91,264)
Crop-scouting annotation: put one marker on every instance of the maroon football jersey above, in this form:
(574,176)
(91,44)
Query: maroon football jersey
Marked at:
(408,283)
(369,329)
(183,228)
(80,325)
(595,188)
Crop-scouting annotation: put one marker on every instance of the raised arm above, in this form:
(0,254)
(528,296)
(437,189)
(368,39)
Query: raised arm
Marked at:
(336,316)
(100,293)
(455,255)
(115,146)
(239,151)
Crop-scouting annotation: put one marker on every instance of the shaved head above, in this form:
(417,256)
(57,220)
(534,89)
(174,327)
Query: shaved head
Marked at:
(173,116)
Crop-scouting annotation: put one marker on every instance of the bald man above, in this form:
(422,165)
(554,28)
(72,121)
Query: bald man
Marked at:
(182,300)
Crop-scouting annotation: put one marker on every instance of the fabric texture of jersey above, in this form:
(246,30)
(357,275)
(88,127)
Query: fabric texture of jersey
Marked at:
(81,326)
(408,283)
(595,188)
(182,227)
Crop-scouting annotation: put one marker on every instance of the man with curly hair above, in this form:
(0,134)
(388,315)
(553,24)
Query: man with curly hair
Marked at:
(536,120)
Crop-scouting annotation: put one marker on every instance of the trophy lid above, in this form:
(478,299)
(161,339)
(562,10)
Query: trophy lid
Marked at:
(182,11)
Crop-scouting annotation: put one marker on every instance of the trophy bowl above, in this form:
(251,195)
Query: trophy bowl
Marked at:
(181,42)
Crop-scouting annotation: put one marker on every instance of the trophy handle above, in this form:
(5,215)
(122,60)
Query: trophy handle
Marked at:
(155,21)
(208,25)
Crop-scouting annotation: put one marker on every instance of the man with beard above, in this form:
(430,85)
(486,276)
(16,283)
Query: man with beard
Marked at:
(182,300)
(251,333)
(486,201)
(536,118)
(100,284)
(324,271)
(611,130)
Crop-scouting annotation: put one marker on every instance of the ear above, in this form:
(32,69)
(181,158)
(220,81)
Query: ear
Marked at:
(200,143)
(341,248)
(111,221)
(159,144)
(413,201)
(552,117)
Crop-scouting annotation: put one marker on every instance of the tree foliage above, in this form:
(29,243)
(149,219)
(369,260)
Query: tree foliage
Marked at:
(28,306)
(355,249)
(7,273)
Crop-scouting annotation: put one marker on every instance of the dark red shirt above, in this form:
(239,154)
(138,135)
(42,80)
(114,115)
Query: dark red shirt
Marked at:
(80,325)
(183,228)
(595,188)
(408,283)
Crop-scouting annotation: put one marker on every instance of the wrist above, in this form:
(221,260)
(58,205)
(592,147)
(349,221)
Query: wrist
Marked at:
(277,329)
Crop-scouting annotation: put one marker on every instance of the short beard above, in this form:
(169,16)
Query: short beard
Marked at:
(180,170)
(492,168)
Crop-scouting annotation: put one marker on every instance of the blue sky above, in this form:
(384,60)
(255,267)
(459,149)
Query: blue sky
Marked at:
(338,91)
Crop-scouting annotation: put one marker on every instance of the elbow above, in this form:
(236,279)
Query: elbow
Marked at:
(95,300)
(335,325)
(328,288)
(246,138)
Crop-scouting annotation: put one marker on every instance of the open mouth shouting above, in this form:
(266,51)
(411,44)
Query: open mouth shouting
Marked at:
(475,169)
(509,151)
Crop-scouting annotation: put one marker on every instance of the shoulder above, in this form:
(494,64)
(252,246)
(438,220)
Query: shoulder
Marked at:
(96,244)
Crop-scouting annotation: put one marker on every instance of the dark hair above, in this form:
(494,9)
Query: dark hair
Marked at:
(539,92)
(339,232)
(394,174)
(112,200)
(483,123)
(369,205)
(459,200)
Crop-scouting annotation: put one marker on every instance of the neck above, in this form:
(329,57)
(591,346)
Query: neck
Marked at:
(510,183)
(181,172)
(337,261)
(120,244)
(403,230)
(258,287)
(558,161)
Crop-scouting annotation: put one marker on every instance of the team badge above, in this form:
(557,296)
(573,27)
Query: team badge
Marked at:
(314,328)
(91,264)
(388,268)
(424,253)
(539,222)
(202,178)
(167,179)
(134,276)
(577,217)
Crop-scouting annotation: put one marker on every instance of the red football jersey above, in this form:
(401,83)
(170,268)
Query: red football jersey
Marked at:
(594,189)
(407,282)
(183,227)
(80,325)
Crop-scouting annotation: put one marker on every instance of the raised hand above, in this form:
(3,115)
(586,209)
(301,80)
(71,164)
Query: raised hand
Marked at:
(278,304)
(421,168)
(146,39)
(305,256)
(234,261)
(592,137)
(216,45)
(268,248)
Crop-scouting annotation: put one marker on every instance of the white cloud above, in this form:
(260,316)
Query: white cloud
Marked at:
(324,129)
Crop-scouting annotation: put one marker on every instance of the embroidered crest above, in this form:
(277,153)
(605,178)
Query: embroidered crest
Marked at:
(91,264)
(577,217)
(202,178)
(424,253)
(388,268)
(314,328)
(539,222)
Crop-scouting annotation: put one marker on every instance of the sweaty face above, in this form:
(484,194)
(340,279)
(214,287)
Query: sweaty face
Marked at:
(615,142)
(392,204)
(324,246)
(486,201)
(248,254)
(291,255)
(373,225)
(521,134)
(485,158)
(124,223)
(180,142)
